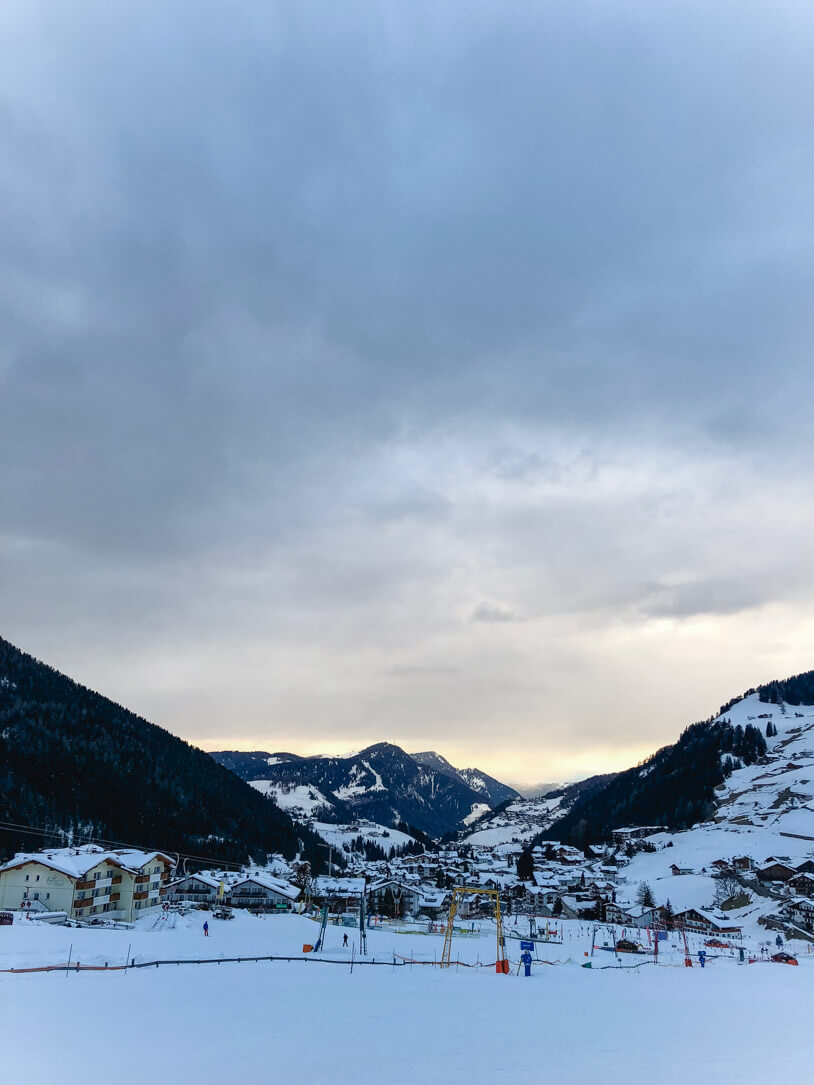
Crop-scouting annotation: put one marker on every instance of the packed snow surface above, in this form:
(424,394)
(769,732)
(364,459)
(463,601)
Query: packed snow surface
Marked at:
(322,1022)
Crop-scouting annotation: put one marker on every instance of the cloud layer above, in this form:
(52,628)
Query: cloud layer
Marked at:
(408,371)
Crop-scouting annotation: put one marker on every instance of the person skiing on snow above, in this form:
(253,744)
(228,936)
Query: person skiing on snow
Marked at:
(525,957)
(206,928)
(344,940)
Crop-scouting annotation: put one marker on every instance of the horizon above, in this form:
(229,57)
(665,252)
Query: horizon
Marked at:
(410,371)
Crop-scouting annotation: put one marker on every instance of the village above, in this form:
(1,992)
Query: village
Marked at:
(633,883)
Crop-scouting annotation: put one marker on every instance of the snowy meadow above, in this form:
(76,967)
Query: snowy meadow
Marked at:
(306,1019)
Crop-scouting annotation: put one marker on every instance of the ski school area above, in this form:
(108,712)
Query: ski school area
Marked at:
(138,1000)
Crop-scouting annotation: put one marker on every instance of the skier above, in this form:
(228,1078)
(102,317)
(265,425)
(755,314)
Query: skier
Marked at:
(778,942)
(344,940)
(206,928)
(525,957)
(702,957)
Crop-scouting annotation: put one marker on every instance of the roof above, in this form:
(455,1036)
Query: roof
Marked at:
(76,862)
(266,881)
(348,887)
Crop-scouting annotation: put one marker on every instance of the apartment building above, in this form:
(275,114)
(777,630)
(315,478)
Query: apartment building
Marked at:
(86,882)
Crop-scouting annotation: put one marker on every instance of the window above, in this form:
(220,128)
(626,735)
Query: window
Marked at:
(38,877)
(27,877)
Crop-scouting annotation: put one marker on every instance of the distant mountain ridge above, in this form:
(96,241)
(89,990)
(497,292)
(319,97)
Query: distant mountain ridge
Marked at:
(492,790)
(382,783)
(79,766)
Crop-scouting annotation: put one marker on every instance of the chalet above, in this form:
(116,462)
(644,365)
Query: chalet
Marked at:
(390,896)
(802,884)
(742,862)
(434,903)
(617,913)
(340,894)
(260,892)
(203,888)
(693,919)
(800,910)
(568,855)
(775,871)
(806,867)
(677,870)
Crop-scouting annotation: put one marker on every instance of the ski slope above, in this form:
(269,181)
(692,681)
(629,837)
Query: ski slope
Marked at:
(325,1022)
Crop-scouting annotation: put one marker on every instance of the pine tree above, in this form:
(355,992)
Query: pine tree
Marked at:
(525,866)
(644,896)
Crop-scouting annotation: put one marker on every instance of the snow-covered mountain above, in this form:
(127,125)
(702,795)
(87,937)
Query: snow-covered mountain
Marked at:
(492,790)
(381,783)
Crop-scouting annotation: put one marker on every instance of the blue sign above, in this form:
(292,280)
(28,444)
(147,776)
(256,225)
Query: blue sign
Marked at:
(661,936)
(527,945)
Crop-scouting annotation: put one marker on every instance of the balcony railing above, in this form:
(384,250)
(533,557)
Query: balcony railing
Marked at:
(86,885)
(116,880)
(139,896)
(114,897)
(140,878)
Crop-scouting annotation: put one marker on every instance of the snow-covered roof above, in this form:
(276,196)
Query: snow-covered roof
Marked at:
(339,886)
(76,862)
(266,881)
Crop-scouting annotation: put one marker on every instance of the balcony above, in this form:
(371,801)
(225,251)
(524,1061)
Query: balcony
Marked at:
(114,897)
(116,880)
(86,885)
(141,878)
(139,896)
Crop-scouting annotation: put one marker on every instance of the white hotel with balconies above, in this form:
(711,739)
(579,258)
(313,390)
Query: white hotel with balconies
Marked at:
(86,882)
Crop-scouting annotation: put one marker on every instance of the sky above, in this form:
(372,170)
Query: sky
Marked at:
(434,373)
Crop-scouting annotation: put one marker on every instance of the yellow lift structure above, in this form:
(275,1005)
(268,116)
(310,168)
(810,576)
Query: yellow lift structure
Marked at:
(458,892)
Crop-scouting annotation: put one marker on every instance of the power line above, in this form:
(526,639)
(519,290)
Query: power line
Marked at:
(33,830)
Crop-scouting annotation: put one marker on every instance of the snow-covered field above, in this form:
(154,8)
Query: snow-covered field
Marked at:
(520,821)
(339,835)
(319,1022)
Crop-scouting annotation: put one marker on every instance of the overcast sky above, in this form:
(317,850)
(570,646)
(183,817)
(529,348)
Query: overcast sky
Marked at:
(436,373)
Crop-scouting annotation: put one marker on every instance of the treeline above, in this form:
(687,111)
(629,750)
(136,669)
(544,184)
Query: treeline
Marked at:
(80,767)
(674,788)
(373,851)
(799,689)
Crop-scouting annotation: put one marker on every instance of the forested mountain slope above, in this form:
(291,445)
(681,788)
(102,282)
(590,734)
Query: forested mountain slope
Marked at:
(74,762)
(674,788)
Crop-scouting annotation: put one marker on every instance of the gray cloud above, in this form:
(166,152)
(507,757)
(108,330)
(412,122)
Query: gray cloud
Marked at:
(320,325)
(489,612)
